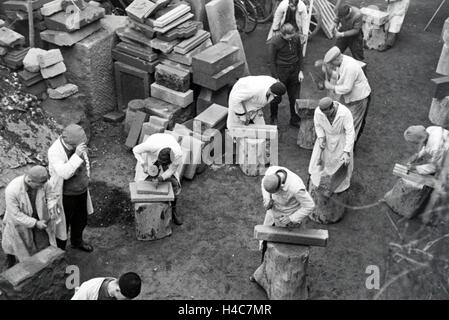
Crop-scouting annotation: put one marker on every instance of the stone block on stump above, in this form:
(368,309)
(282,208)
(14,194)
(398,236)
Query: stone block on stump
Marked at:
(39,277)
(175,79)
(283,273)
(182,99)
(152,220)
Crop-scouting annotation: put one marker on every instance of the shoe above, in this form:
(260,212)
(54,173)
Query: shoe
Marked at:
(294,124)
(176,218)
(83,247)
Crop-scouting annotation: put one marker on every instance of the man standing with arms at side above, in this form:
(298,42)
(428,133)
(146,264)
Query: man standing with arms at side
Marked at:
(286,63)
(69,170)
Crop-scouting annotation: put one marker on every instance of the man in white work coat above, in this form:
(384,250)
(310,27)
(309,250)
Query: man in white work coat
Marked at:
(162,152)
(285,198)
(352,84)
(248,97)
(397,9)
(333,147)
(409,198)
(293,12)
(29,221)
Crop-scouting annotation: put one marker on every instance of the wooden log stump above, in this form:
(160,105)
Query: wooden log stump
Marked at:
(326,211)
(305,109)
(251,155)
(283,273)
(439,112)
(152,220)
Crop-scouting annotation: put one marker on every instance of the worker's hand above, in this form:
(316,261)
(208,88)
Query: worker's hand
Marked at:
(345,158)
(145,168)
(328,85)
(268,205)
(303,38)
(80,149)
(300,76)
(247,119)
(318,63)
(322,142)
(160,179)
(411,167)
(284,220)
(41,225)
(339,35)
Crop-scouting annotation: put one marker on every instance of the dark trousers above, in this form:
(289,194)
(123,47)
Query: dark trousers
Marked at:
(75,209)
(289,77)
(355,44)
(11,261)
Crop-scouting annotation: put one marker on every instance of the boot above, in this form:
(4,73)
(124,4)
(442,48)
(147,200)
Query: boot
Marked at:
(175,217)
(274,121)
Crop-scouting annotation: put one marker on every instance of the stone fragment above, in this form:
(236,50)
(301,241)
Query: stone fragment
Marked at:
(210,118)
(221,19)
(61,38)
(53,70)
(115,116)
(144,53)
(49,58)
(182,99)
(172,78)
(31,61)
(62,92)
(215,58)
(164,46)
(70,22)
(176,65)
(10,38)
(193,42)
(140,9)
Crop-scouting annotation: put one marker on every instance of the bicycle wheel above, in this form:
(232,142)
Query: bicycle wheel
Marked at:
(241,16)
(251,22)
(265,9)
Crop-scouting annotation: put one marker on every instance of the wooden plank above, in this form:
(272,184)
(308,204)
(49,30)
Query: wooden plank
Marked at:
(441,87)
(136,127)
(402,171)
(141,198)
(305,237)
(150,187)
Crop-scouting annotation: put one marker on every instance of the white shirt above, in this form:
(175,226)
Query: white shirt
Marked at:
(352,83)
(437,144)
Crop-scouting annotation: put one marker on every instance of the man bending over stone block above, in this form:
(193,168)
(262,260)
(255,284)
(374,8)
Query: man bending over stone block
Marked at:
(128,286)
(158,159)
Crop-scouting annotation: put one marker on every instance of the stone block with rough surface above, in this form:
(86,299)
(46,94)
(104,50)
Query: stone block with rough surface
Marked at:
(221,19)
(115,116)
(187,58)
(56,82)
(215,58)
(31,61)
(62,92)
(49,58)
(233,38)
(62,38)
(10,38)
(182,99)
(39,277)
(70,22)
(374,16)
(176,79)
(90,67)
(439,112)
(53,70)
(152,220)
(210,118)
(131,113)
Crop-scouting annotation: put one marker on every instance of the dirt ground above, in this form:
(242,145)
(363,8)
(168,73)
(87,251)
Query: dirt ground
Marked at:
(212,255)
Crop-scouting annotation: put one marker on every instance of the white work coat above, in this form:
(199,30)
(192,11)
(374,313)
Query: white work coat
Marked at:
(250,92)
(292,199)
(148,151)
(352,83)
(339,137)
(18,223)
(62,168)
(90,289)
(280,15)
(396,14)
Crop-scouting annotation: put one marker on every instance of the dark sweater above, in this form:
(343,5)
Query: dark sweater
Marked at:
(79,182)
(284,53)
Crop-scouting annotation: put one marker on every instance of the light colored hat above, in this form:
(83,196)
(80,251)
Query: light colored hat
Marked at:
(333,53)
(74,135)
(325,102)
(271,183)
(38,174)
(415,134)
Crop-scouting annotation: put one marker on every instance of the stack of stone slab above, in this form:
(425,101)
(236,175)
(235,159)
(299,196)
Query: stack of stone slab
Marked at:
(374,28)
(12,48)
(217,66)
(70,21)
(16,10)
(31,76)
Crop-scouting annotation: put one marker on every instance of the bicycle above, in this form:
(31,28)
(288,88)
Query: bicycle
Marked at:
(245,12)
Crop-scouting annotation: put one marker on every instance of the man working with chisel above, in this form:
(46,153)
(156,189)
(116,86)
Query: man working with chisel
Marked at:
(158,159)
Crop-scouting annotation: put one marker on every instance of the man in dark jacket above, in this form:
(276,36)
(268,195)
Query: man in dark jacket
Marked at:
(349,31)
(286,63)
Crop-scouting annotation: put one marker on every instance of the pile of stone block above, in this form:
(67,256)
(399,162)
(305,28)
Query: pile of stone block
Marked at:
(70,21)
(12,48)
(44,72)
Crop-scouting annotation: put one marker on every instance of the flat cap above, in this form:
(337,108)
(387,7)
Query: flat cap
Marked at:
(330,55)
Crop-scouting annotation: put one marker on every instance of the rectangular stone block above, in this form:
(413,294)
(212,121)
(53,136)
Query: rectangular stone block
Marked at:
(233,38)
(374,16)
(51,8)
(143,28)
(136,128)
(306,237)
(131,83)
(215,58)
(221,18)
(174,24)
(182,99)
(134,61)
(30,78)
(441,87)
(10,38)
(39,277)
(22,5)
(185,30)
(70,22)
(62,92)
(143,53)
(172,78)
(53,70)
(148,129)
(14,58)
(164,46)
(176,65)
(193,42)
(187,58)
(145,198)
(140,9)
(115,116)
(221,79)
(49,58)
(173,113)
(56,82)
(204,100)
(61,38)
(198,9)
(210,118)
(159,121)
(170,15)
(127,33)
